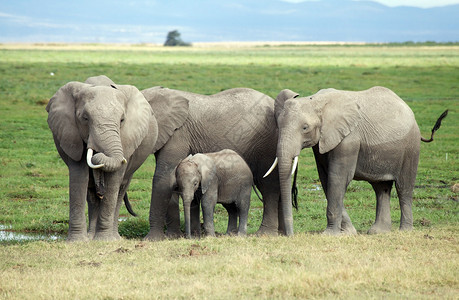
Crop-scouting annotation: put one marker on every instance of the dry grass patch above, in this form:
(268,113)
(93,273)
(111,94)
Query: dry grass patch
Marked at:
(419,264)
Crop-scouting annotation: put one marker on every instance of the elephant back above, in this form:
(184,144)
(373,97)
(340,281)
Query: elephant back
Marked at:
(385,116)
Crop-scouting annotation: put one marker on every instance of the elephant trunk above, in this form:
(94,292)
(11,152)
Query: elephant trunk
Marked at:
(285,180)
(107,163)
(186,209)
(287,156)
(110,158)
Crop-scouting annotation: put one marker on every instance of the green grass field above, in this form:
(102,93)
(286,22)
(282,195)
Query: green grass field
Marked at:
(34,181)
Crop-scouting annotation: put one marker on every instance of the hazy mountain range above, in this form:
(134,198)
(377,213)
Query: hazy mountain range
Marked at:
(136,21)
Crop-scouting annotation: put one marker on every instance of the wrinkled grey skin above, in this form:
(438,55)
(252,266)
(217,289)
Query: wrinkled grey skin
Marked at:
(368,135)
(117,122)
(223,177)
(239,119)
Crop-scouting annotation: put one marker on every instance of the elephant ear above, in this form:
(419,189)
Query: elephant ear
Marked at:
(207,169)
(100,80)
(283,96)
(170,110)
(339,119)
(62,120)
(138,117)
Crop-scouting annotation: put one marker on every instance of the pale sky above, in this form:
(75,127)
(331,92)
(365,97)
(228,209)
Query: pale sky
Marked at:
(418,3)
(392,3)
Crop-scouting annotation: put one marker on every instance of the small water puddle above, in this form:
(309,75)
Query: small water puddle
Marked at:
(315,187)
(7,235)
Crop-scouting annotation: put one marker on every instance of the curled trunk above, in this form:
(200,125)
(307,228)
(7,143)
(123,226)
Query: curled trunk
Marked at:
(109,163)
(110,151)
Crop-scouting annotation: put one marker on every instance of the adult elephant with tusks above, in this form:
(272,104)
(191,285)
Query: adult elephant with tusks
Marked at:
(103,131)
(369,135)
(239,119)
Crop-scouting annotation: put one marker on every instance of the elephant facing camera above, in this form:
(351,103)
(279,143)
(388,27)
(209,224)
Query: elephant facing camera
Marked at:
(103,132)
(219,177)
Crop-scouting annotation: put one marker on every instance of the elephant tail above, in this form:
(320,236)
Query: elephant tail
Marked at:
(256,192)
(295,190)
(436,127)
(128,205)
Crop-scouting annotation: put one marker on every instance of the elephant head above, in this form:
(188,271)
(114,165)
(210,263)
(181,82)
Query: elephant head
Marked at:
(108,119)
(321,119)
(193,172)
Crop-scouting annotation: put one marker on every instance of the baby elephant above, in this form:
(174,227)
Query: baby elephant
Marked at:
(223,177)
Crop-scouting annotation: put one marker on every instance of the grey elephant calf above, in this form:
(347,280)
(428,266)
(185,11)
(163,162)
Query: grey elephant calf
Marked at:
(367,135)
(223,177)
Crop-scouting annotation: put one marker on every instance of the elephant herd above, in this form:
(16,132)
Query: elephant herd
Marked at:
(104,132)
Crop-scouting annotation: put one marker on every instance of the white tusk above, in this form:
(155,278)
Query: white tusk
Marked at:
(88,160)
(124,161)
(272,168)
(295,164)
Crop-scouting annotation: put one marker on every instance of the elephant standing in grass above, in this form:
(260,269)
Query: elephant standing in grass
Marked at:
(368,135)
(221,177)
(239,119)
(103,132)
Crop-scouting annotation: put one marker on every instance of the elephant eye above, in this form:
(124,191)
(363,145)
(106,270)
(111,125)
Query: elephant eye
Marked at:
(305,127)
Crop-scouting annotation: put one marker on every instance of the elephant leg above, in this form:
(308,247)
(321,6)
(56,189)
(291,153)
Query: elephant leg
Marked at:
(173,218)
(322,169)
(404,185)
(108,206)
(123,190)
(270,192)
(341,169)
(405,197)
(166,161)
(232,218)
(93,204)
(78,189)
(243,206)
(208,202)
(346,224)
(93,212)
(116,215)
(382,221)
(160,197)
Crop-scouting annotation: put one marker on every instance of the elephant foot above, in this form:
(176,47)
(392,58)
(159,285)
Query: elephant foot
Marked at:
(332,231)
(91,235)
(348,230)
(267,231)
(406,227)
(173,234)
(379,228)
(77,237)
(106,237)
(154,236)
(232,232)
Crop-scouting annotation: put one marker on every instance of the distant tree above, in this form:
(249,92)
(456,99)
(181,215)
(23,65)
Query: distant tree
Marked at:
(173,39)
